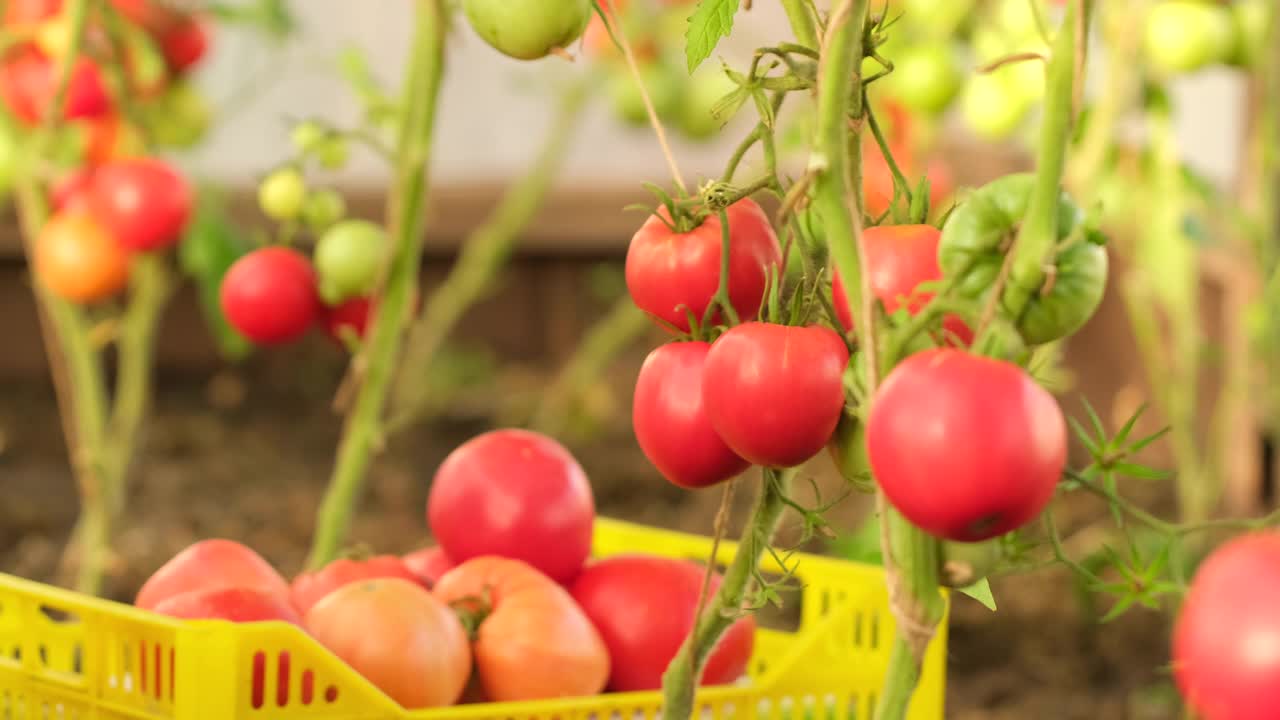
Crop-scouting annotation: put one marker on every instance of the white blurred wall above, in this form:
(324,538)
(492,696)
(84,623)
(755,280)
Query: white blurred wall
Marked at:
(495,110)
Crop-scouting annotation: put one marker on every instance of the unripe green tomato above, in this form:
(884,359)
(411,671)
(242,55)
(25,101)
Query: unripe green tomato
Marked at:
(992,108)
(307,135)
(936,17)
(705,89)
(664,88)
(528,29)
(1016,18)
(963,564)
(332,152)
(323,208)
(926,78)
(348,258)
(181,117)
(282,194)
(9,159)
(1251,29)
(1184,36)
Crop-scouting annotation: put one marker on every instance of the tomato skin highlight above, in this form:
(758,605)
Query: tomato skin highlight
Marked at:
(144,202)
(231,603)
(775,393)
(965,447)
(398,636)
(429,564)
(644,607)
(269,295)
(899,259)
(310,588)
(668,272)
(534,642)
(209,565)
(671,424)
(1226,642)
(76,258)
(517,494)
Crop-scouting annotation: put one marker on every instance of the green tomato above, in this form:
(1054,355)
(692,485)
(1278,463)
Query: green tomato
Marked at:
(664,86)
(528,29)
(323,209)
(348,258)
(1016,17)
(1184,36)
(938,18)
(963,564)
(970,251)
(1250,18)
(992,107)
(180,118)
(307,136)
(282,194)
(926,78)
(332,152)
(708,86)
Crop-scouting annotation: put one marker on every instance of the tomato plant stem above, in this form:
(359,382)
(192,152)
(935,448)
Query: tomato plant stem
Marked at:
(801,22)
(680,682)
(363,432)
(482,256)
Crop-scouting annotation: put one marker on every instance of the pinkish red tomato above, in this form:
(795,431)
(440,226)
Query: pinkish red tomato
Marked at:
(965,447)
(517,494)
(28,85)
(185,44)
(1226,643)
(352,315)
(71,190)
(429,564)
(899,259)
(142,201)
(775,393)
(670,273)
(237,604)
(269,295)
(671,424)
(310,588)
(210,565)
(644,607)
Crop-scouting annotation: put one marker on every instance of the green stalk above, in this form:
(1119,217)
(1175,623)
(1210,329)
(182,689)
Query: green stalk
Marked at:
(405,210)
(913,589)
(680,682)
(1034,245)
(801,22)
(482,256)
(607,338)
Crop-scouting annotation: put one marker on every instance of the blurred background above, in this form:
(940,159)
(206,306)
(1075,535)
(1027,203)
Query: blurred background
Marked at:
(242,446)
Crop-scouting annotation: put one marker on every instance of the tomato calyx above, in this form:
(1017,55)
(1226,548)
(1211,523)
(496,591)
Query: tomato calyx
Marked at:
(360,552)
(473,610)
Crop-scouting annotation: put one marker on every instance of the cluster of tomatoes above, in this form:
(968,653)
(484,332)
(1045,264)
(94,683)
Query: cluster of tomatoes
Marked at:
(274,295)
(773,395)
(507,607)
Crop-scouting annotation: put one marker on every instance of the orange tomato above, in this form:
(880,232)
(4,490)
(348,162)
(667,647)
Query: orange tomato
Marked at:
(77,259)
(532,641)
(397,635)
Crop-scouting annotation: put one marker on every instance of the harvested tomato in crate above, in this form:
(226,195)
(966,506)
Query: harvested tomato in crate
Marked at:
(68,656)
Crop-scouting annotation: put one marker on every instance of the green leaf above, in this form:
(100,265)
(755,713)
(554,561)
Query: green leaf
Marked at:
(1119,608)
(710,21)
(1141,472)
(1098,426)
(1083,436)
(212,243)
(981,591)
(1139,445)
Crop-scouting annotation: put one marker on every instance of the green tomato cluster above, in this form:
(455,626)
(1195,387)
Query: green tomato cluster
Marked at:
(1184,36)
(698,105)
(528,29)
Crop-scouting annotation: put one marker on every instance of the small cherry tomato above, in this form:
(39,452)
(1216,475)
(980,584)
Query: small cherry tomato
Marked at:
(185,44)
(77,259)
(269,295)
(144,202)
(282,194)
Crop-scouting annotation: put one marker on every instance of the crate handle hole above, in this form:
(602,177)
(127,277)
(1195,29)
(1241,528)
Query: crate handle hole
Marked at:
(259,688)
(58,615)
(331,694)
(308,686)
(282,679)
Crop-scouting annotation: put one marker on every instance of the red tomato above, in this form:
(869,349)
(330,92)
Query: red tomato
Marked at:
(22,12)
(353,314)
(877,178)
(211,564)
(311,587)
(1226,643)
(899,259)
(532,641)
(668,272)
(185,44)
(671,424)
(236,604)
(76,258)
(644,608)
(71,190)
(144,202)
(28,85)
(269,295)
(400,637)
(429,564)
(966,447)
(775,393)
(517,494)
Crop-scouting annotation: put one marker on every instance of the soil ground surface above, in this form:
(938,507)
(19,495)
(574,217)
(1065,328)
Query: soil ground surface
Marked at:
(248,459)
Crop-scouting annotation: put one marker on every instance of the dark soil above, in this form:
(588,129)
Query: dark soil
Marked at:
(255,470)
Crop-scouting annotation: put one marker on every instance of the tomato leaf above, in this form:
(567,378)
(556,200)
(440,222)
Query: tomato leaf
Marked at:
(981,591)
(211,245)
(710,21)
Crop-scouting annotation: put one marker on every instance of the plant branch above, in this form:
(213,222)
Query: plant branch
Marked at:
(405,209)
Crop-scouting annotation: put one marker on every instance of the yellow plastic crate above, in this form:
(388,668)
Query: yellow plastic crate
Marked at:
(64,656)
